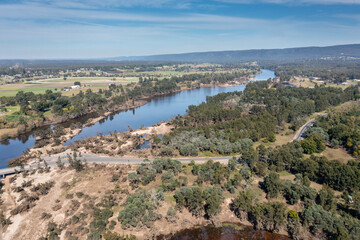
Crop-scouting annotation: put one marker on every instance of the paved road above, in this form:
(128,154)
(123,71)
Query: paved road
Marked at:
(300,133)
(90,158)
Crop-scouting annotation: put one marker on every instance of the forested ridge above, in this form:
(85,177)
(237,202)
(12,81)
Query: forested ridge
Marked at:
(336,71)
(351,51)
(342,129)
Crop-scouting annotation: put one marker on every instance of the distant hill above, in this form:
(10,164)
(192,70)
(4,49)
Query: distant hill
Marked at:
(351,51)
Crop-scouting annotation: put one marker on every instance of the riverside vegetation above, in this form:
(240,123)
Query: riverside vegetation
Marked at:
(136,201)
(289,188)
(35,110)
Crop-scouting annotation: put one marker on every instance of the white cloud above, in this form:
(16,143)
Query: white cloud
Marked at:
(38,12)
(293,2)
(89,4)
(355,17)
(38,30)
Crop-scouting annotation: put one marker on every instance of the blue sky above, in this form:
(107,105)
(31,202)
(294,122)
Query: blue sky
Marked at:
(39,29)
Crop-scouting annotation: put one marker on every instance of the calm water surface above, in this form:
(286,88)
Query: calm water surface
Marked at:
(158,109)
(227,232)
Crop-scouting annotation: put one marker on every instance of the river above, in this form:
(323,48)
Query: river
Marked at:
(225,232)
(158,109)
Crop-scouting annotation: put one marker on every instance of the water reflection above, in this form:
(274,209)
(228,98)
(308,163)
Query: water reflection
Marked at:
(226,232)
(158,109)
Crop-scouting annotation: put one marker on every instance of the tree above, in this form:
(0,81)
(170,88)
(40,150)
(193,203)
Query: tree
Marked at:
(326,198)
(309,146)
(188,149)
(59,163)
(157,197)
(313,144)
(272,185)
(232,163)
(293,225)
(171,214)
(270,216)
(75,163)
(166,150)
(115,236)
(243,203)
(213,201)
(316,218)
(134,179)
(271,137)
(138,211)
(191,198)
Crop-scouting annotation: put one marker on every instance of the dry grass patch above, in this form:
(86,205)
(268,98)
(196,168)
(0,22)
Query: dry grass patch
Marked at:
(338,154)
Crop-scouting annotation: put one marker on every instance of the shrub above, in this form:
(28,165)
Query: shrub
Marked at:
(171,214)
(270,216)
(166,150)
(139,211)
(161,164)
(188,149)
(272,185)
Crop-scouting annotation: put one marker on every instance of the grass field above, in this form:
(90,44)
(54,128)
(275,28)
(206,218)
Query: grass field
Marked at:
(88,80)
(302,82)
(11,91)
(308,83)
(336,154)
(41,86)
(11,110)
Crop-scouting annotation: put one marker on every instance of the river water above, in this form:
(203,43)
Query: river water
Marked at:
(226,232)
(158,109)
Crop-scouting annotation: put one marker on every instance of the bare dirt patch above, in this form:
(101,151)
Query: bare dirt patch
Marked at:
(162,129)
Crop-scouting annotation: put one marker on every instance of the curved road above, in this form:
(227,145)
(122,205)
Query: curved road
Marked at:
(90,158)
(300,133)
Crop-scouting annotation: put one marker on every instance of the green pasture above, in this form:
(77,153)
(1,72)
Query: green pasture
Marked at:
(11,91)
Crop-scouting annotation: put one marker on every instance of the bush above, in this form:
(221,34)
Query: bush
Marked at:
(316,218)
(114,178)
(213,201)
(161,164)
(114,236)
(139,211)
(313,144)
(243,203)
(45,215)
(191,198)
(147,174)
(166,150)
(171,214)
(198,201)
(272,185)
(167,176)
(43,188)
(188,149)
(134,179)
(295,192)
(270,216)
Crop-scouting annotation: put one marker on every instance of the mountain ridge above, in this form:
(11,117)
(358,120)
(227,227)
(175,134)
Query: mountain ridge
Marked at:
(278,54)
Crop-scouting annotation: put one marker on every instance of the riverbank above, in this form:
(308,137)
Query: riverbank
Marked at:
(70,133)
(10,133)
(227,230)
(153,110)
